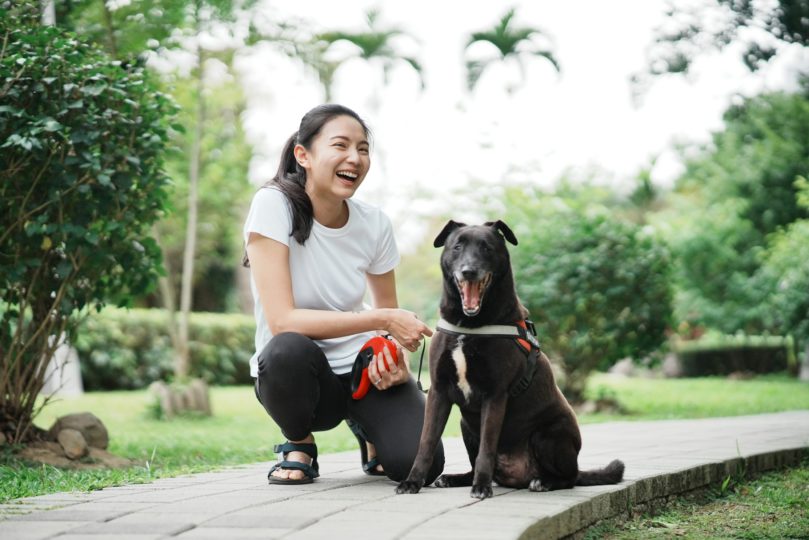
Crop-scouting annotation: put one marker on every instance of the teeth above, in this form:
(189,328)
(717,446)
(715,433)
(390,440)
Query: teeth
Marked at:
(348,174)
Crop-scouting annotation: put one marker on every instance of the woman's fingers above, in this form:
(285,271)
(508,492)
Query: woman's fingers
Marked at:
(384,372)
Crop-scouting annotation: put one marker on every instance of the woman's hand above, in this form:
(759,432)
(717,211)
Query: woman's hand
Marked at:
(407,329)
(384,372)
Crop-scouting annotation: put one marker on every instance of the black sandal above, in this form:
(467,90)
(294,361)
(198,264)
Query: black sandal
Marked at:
(369,466)
(310,471)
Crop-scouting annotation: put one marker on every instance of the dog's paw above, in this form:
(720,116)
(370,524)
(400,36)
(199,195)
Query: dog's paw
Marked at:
(481,492)
(454,480)
(442,482)
(408,486)
(536,485)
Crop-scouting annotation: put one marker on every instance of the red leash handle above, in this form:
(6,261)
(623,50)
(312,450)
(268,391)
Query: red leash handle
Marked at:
(360,381)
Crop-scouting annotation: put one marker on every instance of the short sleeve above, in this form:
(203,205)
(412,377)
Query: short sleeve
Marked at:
(269,216)
(387,253)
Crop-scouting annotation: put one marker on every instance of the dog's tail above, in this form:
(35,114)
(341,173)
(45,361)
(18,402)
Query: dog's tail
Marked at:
(611,474)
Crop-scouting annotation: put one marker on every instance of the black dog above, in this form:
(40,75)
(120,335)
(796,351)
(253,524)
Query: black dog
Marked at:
(517,427)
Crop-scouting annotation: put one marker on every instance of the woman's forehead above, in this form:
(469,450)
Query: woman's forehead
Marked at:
(344,127)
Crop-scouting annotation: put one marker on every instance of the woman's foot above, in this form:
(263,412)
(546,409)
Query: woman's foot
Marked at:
(300,457)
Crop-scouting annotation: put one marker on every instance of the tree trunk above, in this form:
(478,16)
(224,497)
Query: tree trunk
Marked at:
(181,368)
(168,296)
(49,13)
(113,43)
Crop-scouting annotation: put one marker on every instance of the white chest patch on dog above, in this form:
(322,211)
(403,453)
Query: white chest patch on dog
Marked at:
(460,367)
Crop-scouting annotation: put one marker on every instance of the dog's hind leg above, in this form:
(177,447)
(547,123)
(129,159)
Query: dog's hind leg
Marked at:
(557,463)
(472,443)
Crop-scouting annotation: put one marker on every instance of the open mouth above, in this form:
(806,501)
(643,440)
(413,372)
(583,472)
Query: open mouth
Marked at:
(472,294)
(348,176)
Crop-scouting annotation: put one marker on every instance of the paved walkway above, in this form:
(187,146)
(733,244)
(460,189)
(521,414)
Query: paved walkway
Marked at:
(662,458)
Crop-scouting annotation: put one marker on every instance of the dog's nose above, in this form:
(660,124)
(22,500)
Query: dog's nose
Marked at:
(469,273)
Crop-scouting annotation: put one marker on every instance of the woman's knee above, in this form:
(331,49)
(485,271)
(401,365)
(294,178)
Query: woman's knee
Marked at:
(287,354)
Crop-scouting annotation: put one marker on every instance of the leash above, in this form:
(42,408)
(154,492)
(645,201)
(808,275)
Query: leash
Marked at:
(421,361)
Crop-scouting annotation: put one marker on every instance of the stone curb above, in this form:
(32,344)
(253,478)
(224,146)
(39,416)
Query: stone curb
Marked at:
(574,521)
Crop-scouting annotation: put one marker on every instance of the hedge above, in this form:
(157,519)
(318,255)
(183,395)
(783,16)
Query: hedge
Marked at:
(722,355)
(127,349)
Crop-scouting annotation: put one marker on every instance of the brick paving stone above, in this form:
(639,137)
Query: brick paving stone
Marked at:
(70,514)
(229,533)
(112,529)
(70,536)
(34,530)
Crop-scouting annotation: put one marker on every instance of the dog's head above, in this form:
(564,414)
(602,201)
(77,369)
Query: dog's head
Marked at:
(474,257)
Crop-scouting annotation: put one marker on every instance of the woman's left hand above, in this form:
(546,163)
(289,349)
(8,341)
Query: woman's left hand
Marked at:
(384,372)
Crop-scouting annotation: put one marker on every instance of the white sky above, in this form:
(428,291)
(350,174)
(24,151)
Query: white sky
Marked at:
(429,143)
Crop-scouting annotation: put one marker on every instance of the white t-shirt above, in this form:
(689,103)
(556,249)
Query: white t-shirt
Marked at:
(328,271)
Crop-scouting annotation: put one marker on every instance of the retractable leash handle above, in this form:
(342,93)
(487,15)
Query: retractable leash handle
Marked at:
(360,381)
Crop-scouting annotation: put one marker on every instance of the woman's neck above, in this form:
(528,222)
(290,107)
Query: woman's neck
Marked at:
(331,214)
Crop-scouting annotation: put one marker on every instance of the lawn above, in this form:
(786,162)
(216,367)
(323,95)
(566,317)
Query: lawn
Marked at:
(773,505)
(241,432)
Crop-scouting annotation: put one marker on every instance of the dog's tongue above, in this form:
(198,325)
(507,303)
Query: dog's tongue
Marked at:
(471,294)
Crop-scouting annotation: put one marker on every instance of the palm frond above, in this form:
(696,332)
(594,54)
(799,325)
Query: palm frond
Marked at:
(417,68)
(474,69)
(550,58)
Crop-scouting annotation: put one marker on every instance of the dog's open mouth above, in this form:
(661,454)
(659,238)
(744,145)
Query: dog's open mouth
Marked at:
(472,294)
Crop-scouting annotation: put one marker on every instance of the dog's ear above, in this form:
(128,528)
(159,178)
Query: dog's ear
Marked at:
(445,232)
(503,228)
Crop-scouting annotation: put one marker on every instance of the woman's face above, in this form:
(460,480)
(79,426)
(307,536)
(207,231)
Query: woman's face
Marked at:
(337,161)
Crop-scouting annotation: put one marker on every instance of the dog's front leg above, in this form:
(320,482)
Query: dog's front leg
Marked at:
(436,414)
(491,422)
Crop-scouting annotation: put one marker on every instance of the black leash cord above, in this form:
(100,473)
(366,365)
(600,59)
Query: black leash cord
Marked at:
(421,361)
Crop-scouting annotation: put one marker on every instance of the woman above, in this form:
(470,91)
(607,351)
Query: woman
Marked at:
(312,250)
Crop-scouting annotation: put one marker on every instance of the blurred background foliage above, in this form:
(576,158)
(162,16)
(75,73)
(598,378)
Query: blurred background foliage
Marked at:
(606,274)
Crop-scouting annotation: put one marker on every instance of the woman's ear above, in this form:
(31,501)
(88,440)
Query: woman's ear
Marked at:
(301,155)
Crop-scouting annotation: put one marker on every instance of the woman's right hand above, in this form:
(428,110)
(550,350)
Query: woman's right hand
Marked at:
(406,328)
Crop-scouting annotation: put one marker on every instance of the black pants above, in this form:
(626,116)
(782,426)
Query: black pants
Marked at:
(302,394)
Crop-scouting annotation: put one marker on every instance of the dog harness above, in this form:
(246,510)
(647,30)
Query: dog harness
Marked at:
(523,332)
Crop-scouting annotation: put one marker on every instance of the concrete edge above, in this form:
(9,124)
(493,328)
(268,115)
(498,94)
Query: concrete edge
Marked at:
(574,521)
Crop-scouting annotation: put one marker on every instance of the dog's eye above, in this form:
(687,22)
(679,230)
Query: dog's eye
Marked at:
(457,247)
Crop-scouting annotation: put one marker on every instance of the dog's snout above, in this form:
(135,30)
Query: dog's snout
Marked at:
(469,273)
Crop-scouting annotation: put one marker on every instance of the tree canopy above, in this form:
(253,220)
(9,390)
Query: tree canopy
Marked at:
(81,182)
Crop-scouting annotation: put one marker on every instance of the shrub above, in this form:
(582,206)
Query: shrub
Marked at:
(126,349)
(596,286)
(722,355)
(81,182)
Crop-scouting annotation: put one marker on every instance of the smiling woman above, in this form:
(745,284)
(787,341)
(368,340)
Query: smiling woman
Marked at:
(312,251)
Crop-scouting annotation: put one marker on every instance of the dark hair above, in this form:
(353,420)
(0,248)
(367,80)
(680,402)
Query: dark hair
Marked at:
(291,177)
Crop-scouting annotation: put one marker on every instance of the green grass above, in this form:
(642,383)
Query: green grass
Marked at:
(241,432)
(661,399)
(771,506)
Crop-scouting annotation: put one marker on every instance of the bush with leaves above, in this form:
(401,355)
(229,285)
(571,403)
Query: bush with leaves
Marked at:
(786,268)
(81,182)
(122,349)
(596,286)
(728,207)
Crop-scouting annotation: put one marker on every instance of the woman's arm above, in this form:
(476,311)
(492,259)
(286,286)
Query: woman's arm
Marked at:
(385,374)
(269,264)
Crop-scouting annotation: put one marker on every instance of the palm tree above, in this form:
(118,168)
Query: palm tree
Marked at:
(373,45)
(511,43)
